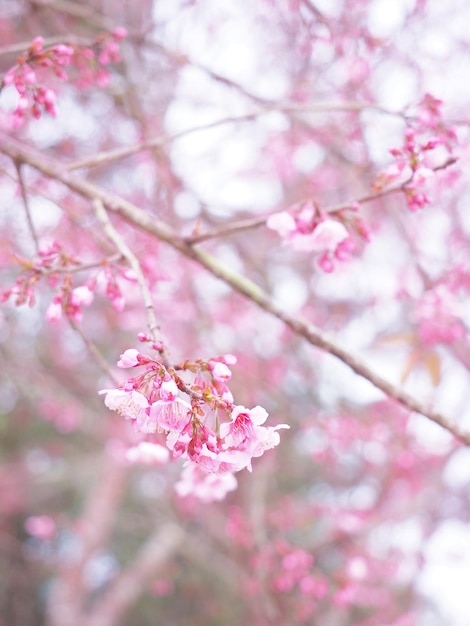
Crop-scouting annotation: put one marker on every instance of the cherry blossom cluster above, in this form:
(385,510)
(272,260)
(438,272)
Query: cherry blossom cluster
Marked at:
(194,418)
(415,162)
(57,266)
(438,315)
(292,576)
(305,227)
(31,73)
(34,97)
(92,62)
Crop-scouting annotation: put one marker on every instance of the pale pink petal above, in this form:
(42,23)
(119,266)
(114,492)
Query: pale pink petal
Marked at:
(326,236)
(148,453)
(129,358)
(283,223)
(82,296)
(168,390)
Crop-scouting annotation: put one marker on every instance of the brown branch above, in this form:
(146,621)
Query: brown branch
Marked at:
(133,580)
(67,599)
(239,283)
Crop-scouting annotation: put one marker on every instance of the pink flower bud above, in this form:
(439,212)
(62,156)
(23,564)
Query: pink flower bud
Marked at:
(129,358)
(54,311)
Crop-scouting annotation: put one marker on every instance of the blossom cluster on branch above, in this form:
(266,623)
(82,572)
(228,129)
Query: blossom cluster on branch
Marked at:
(34,71)
(198,421)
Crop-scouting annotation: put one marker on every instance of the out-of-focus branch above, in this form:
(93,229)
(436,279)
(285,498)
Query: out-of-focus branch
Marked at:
(94,352)
(76,9)
(67,599)
(112,606)
(24,195)
(120,153)
(299,325)
(16,48)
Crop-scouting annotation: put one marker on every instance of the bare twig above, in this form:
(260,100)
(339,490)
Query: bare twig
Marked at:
(77,10)
(255,222)
(239,283)
(24,195)
(67,599)
(133,580)
(126,252)
(16,48)
(157,142)
(95,353)
(81,267)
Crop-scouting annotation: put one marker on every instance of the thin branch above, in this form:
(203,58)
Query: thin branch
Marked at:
(126,252)
(76,10)
(239,283)
(255,222)
(81,267)
(95,353)
(67,598)
(48,41)
(158,142)
(24,195)
(133,580)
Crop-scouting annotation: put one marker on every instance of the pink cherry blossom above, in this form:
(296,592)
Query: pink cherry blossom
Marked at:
(170,414)
(54,311)
(246,433)
(283,223)
(82,296)
(148,453)
(130,404)
(241,431)
(326,236)
(206,487)
(129,358)
(41,526)
(220,371)
(168,390)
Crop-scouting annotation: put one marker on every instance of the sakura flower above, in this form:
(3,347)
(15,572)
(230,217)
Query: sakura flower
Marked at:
(283,223)
(168,390)
(267,438)
(326,236)
(130,404)
(245,433)
(205,487)
(129,358)
(148,453)
(439,316)
(224,461)
(81,296)
(169,414)
(220,371)
(54,311)
(241,431)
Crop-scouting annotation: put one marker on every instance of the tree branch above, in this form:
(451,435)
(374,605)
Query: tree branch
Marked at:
(239,283)
(158,142)
(134,579)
